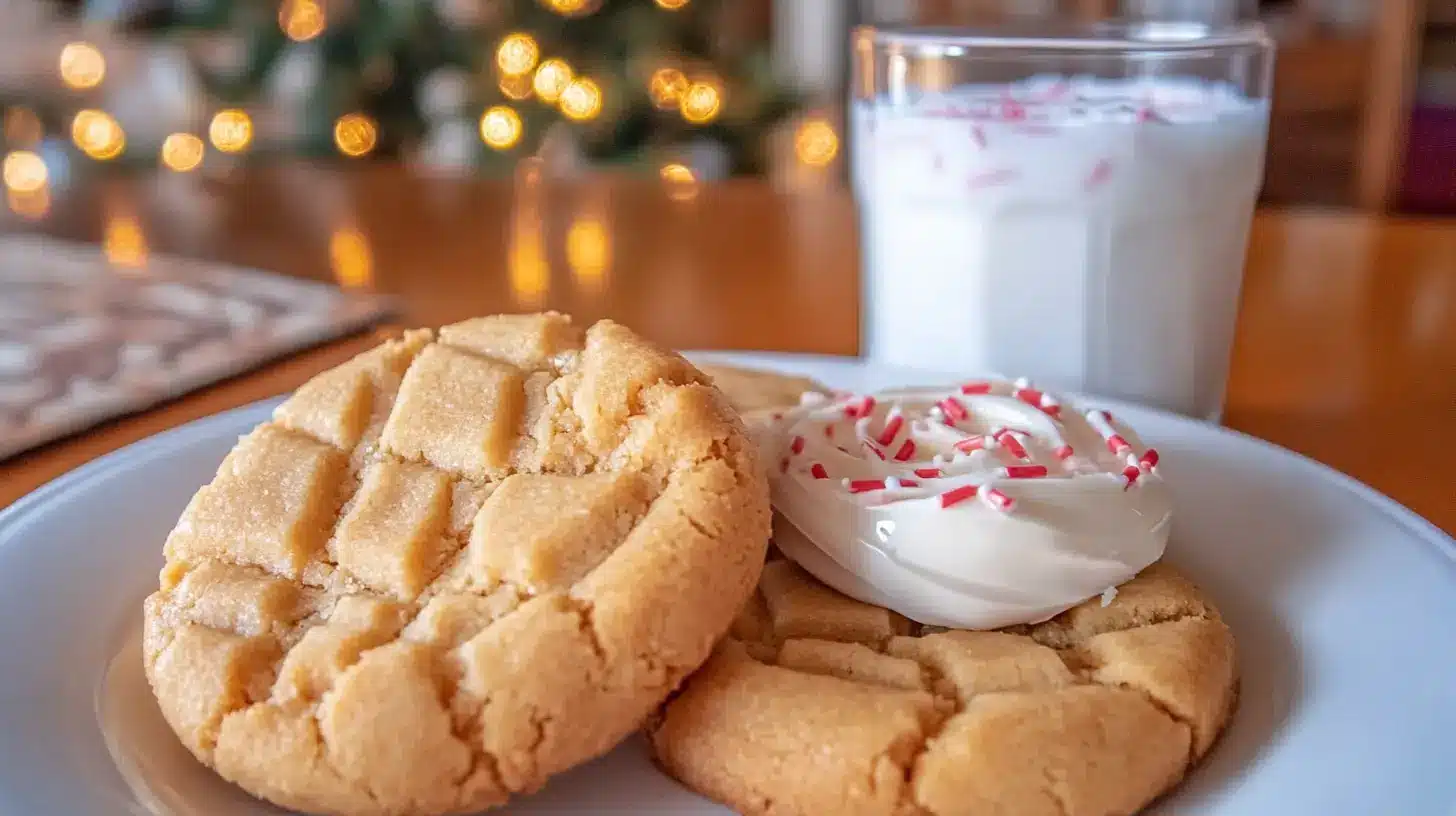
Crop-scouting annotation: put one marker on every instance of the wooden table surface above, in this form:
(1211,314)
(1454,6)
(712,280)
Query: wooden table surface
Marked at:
(1346,347)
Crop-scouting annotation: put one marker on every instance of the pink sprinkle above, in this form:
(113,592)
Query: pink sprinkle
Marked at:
(1064,452)
(928,473)
(1000,500)
(951,498)
(953,409)
(973,443)
(1101,172)
(1025,471)
(797,446)
(991,178)
(829,431)
(909,483)
(869,446)
(818,472)
(978,135)
(1150,459)
(1012,111)
(976,388)
(892,429)
(906,451)
(1117,444)
(1130,475)
(866,485)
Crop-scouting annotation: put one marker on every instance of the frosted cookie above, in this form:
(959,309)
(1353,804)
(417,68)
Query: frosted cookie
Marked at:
(454,566)
(979,506)
(819,703)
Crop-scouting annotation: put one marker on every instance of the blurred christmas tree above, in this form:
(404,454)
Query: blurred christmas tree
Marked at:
(461,83)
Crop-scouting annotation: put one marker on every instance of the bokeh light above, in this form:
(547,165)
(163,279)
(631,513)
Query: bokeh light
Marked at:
(231,131)
(22,127)
(552,78)
(82,65)
(98,134)
(667,86)
(682,185)
(671,5)
(355,134)
(517,54)
(572,8)
(581,100)
(589,252)
(31,206)
(301,20)
(500,127)
(182,152)
(351,258)
(701,103)
(816,144)
(123,243)
(24,171)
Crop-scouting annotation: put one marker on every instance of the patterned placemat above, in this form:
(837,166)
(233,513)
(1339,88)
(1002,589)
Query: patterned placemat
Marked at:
(82,341)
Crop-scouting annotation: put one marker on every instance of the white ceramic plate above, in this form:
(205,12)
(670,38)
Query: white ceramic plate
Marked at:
(1343,603)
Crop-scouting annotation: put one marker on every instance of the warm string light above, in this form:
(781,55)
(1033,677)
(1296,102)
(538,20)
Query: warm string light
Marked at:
(527,265)
(671,5)
(24,172)
(551,79)
(682,185)
(701,103)
(301,20)
(517,54)
(351,258)
(582,99)
(667,86)
(516,87)
(31,206)
(182,152)
(589,252)
(500,127)
(355,134)
(816,144)
(231,131)
(98,134)
(571,8)
(82,66)
(123,242)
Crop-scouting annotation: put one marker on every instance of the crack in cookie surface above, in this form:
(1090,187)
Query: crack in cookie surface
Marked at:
(456,519)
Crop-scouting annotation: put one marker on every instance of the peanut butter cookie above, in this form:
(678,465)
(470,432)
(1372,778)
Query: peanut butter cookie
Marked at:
(454,566)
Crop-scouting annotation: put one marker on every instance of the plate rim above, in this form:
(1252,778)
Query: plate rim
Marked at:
(1411,521)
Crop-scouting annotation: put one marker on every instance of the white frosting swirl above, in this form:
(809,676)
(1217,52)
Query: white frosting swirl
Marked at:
(976,508)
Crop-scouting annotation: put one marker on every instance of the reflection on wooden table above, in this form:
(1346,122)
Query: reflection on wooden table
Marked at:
(1346,349)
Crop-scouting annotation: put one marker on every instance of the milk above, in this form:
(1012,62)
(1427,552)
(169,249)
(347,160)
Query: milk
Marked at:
(1087,233)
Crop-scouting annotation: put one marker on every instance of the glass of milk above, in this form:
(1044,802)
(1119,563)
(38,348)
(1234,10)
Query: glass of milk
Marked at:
(1069,205)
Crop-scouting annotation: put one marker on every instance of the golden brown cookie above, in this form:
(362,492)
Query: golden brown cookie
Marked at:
(818,703)
(454,566)
(752,390)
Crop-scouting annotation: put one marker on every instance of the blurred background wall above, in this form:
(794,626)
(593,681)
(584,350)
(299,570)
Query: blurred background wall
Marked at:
(1365,110)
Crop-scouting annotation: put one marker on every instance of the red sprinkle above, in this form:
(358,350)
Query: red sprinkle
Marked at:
(872,449)
(1064,452)
(797,446)
(1117,444)
(829,431)
(1026,471)
(1002,501)
(784,465)
(909,483)
(866,485)
(976,388)
(1131,474)
(863,409)
(953,409)
(892,428)
(1011,443)
(973,443)
(818,472)
(928,473)
(906,451)
(1100,173)
(776,416)
(1030,396)
(955,496)
(1150,459)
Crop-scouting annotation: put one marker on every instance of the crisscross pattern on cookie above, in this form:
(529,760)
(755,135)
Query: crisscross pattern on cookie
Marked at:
(821,704)
(454,566)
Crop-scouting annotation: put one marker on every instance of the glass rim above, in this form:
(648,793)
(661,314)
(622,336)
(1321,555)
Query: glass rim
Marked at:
(1110,37)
